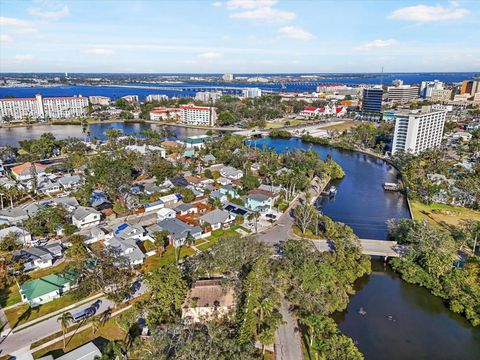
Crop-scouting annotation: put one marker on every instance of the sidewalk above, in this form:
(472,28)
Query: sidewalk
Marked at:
(60,311)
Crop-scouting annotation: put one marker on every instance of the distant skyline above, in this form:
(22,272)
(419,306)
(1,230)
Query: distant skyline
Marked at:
(239,36)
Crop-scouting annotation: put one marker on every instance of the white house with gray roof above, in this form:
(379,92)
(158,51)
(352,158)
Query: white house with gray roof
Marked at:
(217,219)
(85,217)
(128,248)
(179,230)
(23,236)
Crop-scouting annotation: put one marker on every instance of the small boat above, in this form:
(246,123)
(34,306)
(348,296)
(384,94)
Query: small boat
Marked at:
(362,311)
(333,190)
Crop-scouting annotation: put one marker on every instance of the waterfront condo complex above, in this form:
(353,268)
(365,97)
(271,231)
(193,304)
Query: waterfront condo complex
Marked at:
(40,108)
(418,131)
(198,115)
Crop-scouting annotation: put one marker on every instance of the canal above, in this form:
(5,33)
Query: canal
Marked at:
(11,136)
(402,321)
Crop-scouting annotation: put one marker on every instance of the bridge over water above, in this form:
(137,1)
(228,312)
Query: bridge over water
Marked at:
(197,88)
(370,247)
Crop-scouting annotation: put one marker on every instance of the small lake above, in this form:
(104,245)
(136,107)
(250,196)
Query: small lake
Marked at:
(421,326)
(11,136)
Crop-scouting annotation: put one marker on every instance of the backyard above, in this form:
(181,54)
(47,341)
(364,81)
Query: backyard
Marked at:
(441,215)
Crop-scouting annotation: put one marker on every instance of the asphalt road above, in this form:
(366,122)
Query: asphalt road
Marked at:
(287,338)
(22,339)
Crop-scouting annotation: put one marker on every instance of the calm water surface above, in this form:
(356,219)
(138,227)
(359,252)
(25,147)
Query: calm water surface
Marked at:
(421,327)
(11,136)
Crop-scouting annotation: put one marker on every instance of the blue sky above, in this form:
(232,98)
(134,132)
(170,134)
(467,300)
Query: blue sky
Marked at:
(239,36)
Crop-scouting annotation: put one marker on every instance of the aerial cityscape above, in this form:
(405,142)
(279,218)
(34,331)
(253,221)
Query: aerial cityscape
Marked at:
(239,179)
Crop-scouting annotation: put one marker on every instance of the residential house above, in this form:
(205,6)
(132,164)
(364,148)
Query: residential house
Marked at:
(154,206)
(259,202)
(94,235)
(217,219)
(46,186)
(169,200)
(85,217)
(197,142)
(99,200)
(208,298)
(223,181)
(184,209)
(165,213)
(236,210)
(128,248)
(231,173)
(144,149)
(69,203)
(40,257)
(179,230)
(209,158)
(89,351)
(23,235)
(229,190)
(129,231)
(13,216)
(70,182)
(216,194)
(23,172)
(47,288)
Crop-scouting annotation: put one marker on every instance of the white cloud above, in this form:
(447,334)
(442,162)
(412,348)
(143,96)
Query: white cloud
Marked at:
(23,58)
(209,55)
(376,44)
(425,13)
(5,39)
(295,32)
(18,26)
(250,4)
(8,21)
(217,4)
(50,14)
(265,14)
(99,51)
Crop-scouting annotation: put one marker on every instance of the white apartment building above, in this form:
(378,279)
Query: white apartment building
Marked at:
(198,115)
(130,98)
(99,100)
(418,131)
(208,96)
(39,108)
(402,94)
(156,97)
(227,77)
(251,92)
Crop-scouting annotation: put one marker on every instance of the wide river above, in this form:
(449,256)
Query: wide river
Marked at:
(403,321)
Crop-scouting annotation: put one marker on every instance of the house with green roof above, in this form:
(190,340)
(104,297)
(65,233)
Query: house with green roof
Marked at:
(47,288)
(197,141)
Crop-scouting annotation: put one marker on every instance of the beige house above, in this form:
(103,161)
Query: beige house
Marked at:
(206,299)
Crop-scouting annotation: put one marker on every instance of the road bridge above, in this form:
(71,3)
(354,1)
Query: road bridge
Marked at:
(223,89)
(370,247)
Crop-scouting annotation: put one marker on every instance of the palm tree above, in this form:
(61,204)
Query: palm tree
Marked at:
(96,323)
(189,241)
(65,321)
(254,216)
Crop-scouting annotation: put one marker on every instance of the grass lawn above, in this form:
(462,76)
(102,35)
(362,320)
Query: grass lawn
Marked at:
(110,331)
(276,125)
(341,127)
(441,215)
(308,234)
(23,313)
(168,257)
(9,296)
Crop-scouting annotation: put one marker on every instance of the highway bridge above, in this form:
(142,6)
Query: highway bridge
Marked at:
(195,88)
(370,247)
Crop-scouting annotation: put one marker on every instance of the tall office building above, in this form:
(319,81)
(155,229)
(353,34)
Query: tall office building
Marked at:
(208,96)
(402,93)
(372,100)
(156,97)
(198,115)
(418,130)
(470,87)
(427,87)
(227,77)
